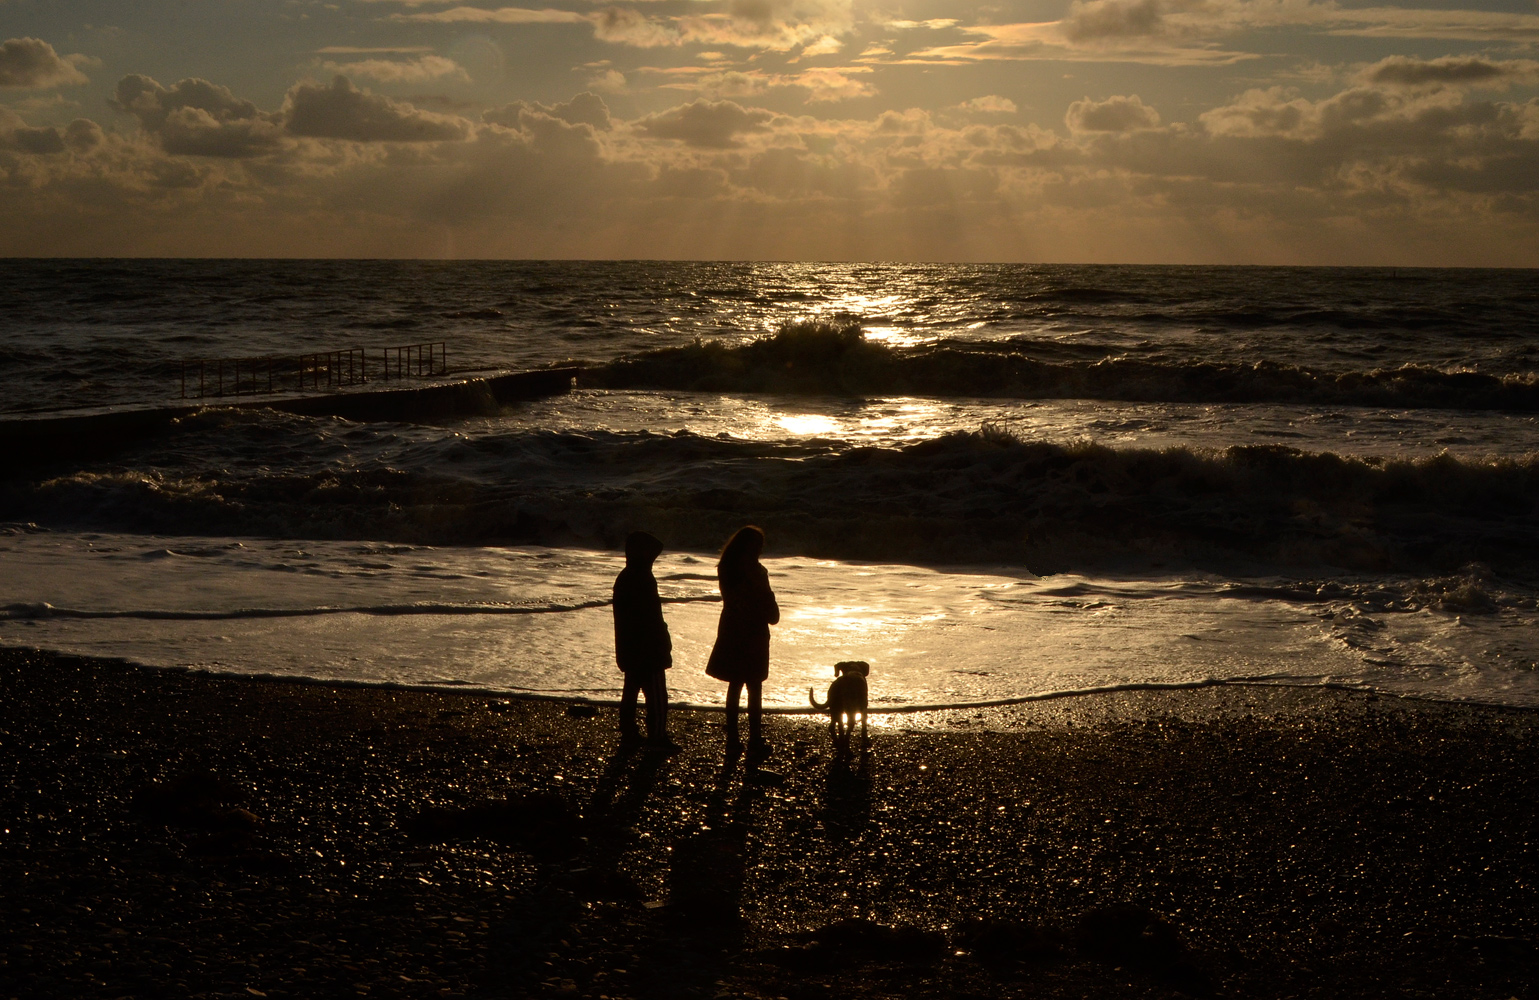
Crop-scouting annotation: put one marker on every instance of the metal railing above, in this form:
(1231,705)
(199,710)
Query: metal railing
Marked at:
(211,376)
(417,360)
(338,368)
(313,372)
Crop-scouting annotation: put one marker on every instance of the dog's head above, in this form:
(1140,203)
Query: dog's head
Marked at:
(860,667)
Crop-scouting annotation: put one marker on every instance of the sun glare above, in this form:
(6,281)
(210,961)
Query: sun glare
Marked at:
(808,424)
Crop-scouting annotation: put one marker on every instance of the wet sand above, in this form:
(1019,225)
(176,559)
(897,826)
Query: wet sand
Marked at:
(171,835)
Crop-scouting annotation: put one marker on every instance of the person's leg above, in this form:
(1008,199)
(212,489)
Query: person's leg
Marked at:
(628,693)
(656,690)
(734,692)
(755,710)
(758,749)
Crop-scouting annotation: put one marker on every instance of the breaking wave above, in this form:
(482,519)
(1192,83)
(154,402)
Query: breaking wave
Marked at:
(835,357)
(984,497)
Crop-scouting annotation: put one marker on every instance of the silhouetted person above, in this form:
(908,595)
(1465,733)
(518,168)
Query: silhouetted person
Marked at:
(643,648)
(741,654)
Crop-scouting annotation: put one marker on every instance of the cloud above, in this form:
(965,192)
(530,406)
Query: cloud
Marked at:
(1410,22)
(628,26)
(499,15)
(989,104)
(16,135)
(827,84)
(1407,153)
(705,124)
(1115,114)
(342,111)
(419,70)
(1451,71)
(356,50)
(584,109)
(609,81)
(823,84)
(1191,32)
(827,45)
(1046,40)
(198,118)
(1103,19)
(775,25)
(32,63)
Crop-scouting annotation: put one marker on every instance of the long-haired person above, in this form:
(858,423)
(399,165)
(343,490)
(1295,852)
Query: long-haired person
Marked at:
(741,654)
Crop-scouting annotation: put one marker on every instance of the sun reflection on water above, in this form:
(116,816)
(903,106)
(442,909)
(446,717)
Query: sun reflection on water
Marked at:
(808,424)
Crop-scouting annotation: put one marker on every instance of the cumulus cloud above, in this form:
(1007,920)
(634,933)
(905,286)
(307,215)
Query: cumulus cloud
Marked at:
(419,70)
(1404,144)
(196,117)
(32,63)
(1115,114)
(17,135)
(705,124)
(342,111)
(80,136)
(584,109)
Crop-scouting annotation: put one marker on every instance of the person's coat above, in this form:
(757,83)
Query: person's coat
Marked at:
(642,642)
(748,609)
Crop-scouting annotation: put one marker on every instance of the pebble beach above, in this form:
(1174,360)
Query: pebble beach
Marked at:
(174,834)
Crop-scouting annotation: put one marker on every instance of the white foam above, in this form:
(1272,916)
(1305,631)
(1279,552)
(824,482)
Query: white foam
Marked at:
(534,619)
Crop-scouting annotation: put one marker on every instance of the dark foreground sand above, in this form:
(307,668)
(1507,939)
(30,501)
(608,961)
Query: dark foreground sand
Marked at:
(172,835)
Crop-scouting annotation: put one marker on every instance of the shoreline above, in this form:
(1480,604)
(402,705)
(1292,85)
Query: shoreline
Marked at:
(1282,695)
(360,840)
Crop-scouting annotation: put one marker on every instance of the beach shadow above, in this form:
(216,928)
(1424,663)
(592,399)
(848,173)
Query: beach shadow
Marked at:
(708,869)
(847,797)
(622,791)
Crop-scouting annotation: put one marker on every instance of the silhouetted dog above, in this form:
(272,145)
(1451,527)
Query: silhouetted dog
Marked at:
(846,700)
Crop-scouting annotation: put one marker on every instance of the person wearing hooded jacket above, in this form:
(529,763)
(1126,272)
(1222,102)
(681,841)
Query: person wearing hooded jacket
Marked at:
(643,647)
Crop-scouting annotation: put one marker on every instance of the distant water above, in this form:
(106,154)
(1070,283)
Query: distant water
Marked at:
(991,481)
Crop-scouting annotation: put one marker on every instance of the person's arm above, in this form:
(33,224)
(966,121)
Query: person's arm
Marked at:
(664,640)
(771,609)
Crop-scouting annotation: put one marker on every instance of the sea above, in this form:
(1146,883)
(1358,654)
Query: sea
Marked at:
(993,483)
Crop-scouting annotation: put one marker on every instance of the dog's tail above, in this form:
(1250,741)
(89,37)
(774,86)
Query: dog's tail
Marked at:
(814,699)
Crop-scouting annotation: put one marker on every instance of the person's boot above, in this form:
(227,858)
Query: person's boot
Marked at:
(630,736)
(758,751)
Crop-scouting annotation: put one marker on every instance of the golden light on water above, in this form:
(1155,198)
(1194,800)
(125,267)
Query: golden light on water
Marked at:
(808,424)
(901,419)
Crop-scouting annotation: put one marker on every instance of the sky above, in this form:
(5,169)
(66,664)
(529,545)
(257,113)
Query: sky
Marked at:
(1122,131)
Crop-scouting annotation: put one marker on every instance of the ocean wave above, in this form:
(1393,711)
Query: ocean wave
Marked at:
(985,497)
(834,357)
